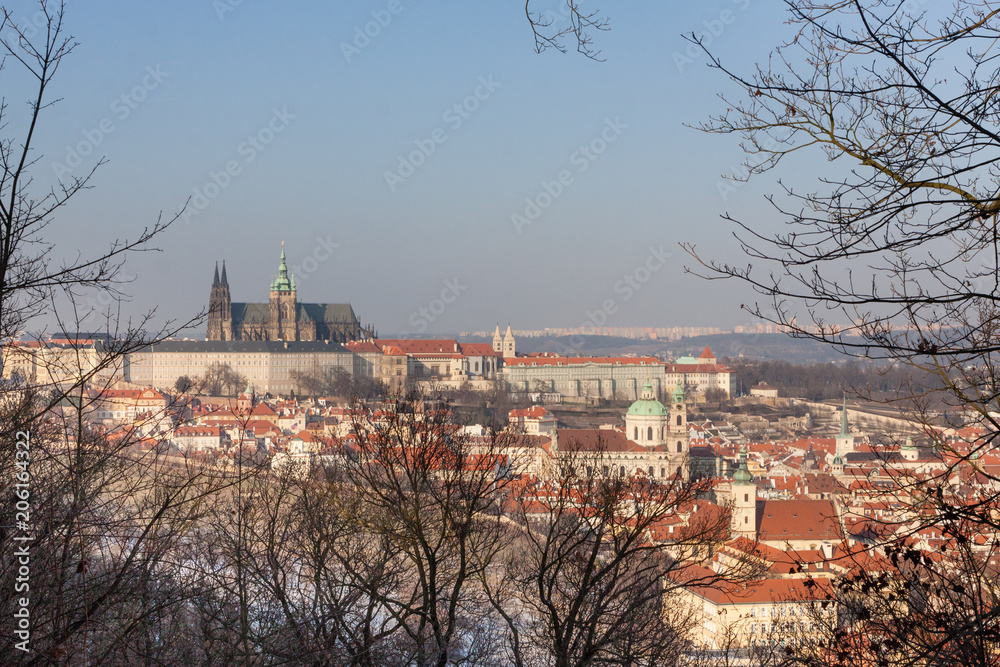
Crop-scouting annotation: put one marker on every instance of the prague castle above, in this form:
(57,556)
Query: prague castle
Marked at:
(282,318)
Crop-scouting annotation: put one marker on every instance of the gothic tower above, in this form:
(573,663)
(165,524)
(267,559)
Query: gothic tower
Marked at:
(220,307)
(283,306)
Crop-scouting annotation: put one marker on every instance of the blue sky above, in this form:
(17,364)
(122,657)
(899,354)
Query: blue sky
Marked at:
(283,124)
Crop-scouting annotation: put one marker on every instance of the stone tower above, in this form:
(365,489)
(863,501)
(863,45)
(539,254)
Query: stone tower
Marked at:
(497,341)
(678,438)
(508,344)
(283,306)
(220,307)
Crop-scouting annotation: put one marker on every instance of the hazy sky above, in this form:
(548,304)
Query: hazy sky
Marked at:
(393,166)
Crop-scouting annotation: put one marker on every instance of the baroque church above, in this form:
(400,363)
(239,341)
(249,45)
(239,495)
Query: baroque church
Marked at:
(282,317)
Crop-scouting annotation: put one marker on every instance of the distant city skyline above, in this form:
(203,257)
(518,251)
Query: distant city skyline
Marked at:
(406,154)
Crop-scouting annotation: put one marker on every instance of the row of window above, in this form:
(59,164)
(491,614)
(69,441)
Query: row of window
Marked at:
(652,471)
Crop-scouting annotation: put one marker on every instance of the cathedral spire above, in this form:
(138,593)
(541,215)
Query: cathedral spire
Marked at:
(843,419)
(215,281)
(225,280)
(282,283)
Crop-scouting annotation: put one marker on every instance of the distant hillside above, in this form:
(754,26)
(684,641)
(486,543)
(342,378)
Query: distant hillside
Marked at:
(765,347)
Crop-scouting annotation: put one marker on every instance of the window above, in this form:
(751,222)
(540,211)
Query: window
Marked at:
(636,436)
(746,519)
(623,471)
(663,472)
(649,433)
(679,447)
(651,471)
(678,420)
(746,497)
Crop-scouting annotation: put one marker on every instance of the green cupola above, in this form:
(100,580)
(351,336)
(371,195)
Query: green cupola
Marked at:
(647,405)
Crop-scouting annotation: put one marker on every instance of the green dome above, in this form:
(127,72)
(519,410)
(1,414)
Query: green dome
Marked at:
(647,405)
(648,408)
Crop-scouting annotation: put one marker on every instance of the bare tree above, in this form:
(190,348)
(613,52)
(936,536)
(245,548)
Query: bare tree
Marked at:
(892,254)
(86,545)
(569,21)
(587,583)
(427,499)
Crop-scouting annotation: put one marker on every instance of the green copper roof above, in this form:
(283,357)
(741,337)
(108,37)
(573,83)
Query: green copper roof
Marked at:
(647,406)
(283,283)
(678,396)
(742,474)
(837,461)
(909,443)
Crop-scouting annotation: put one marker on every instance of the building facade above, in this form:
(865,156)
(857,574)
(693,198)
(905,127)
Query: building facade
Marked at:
(620,378)
(58,362)
(282,318)
(400,363)
(269,366)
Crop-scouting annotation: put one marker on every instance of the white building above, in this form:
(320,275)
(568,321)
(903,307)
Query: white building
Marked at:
(267,365)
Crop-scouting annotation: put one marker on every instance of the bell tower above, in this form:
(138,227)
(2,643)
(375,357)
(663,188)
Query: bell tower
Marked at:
(678,439)
(744,501)
(508,343)
(497,341)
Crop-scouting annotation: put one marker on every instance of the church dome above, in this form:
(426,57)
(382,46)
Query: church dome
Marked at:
(647,405)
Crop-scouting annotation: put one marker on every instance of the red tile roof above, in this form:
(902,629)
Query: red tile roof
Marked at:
(705,583)
(797,520)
